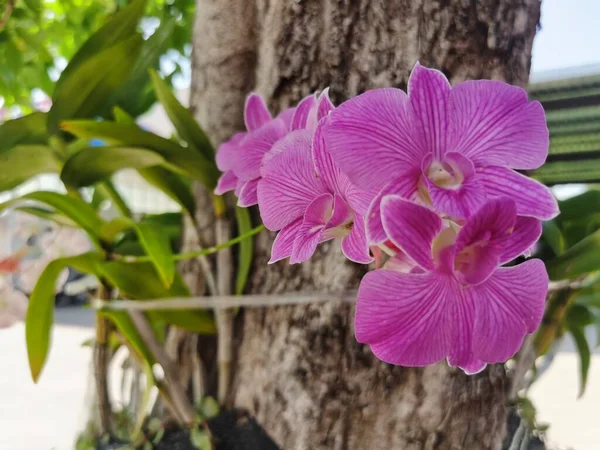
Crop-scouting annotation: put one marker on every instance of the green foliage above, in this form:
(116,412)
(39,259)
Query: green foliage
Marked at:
(26,130)
(26,161)
(85,91)
(584,356)
(200,439)
(40,313)
(183,121)
(94,164)
(171,184)
(39,34)
(158,247)
(180,159)
(245,250)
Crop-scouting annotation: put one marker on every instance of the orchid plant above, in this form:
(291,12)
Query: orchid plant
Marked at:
(429,189)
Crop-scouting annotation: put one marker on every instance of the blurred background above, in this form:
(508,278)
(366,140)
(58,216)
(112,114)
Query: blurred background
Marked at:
(565,76)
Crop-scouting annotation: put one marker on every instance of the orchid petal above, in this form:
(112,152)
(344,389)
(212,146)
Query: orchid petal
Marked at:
(373,130)
(248,194)
(289,183)
(411,227)
(509,305)
(299,120)
(311,231)
(494,124)
(403,317)
(325,167)
(526,233)
(256,113)
(458,203)
(227,182)
(228,152)
(532,197)
(341,212)
(254,146)
(462,315)
(482,240)
(407,187)
(429,93)
(284,241)
(355,246)
(287,115)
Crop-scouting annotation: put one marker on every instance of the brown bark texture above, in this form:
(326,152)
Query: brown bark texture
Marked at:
(299,369)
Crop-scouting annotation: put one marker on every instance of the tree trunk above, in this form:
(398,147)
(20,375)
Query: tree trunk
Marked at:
(299,369)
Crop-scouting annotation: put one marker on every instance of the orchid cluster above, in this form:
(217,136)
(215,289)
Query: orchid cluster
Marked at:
(426,179)
(31,245)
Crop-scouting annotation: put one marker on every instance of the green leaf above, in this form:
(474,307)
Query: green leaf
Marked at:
(94,164)
(182,119)
(122,116)
(209,408)
(140,280)
(194,320)
(158,248)
(580,206)
(23,162)
(122,27)
(200,439)
(553,237)
(111,193)
(584,357)
(172,185)
(113,228)
(183,160)
(40,313)
(129,331)
(245,250)
(136,95)
(580,259)
(47,214)
(26,130)
(87,90)
(73,208)
(579,316)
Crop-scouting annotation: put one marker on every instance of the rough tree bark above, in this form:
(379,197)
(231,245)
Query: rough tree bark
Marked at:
(299,369)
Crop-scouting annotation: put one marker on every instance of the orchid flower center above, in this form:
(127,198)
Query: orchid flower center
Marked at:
(467,258)
(442,242)
(445,174)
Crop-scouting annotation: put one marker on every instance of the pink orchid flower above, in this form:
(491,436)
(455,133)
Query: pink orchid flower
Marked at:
(449,148)
(240,157)
(304,194)
(457,303)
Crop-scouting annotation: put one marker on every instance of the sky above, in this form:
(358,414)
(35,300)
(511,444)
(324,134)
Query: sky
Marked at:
(570,35)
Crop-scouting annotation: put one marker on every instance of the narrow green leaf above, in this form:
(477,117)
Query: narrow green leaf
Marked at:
(553,237)
(75,209)
(579,316)
(194,320)
(580,259)
(172,185)
(245,250)
(580,206)
(158,248)
(121,27)
(129,331)
(136,95)
(40,313)
(141,281)
(94,164)
(584,357)
(111,193)
(88,89)
(122,116)
(209,408)
(26,130)
(22,162)
(182,119)
(47,214)
(183,160)
(113,228)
